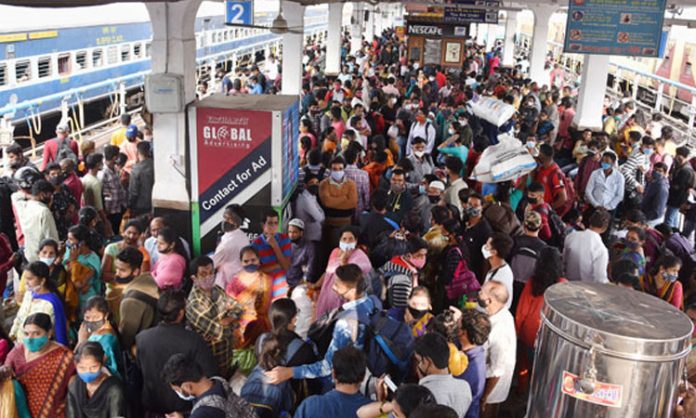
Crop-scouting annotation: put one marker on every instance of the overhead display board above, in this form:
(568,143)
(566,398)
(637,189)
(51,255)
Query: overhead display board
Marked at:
(615,27)
(459,12)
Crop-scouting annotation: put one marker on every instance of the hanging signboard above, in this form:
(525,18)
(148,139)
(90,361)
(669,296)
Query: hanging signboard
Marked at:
(242,148)
(615,27)
(485,12)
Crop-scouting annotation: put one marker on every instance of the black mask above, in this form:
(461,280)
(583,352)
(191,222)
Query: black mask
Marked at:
(415,313)
(56,180)
(313,189)
(94,325)
(434,199)
(227,226)
(532,200)
(482,303)
(16,165)
(124,280)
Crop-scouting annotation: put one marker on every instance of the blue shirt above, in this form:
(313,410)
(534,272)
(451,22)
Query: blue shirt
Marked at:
(475,375)
(256,89)
(332,404)
(354,314)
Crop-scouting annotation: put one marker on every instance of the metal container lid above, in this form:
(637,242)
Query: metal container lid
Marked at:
(617,321)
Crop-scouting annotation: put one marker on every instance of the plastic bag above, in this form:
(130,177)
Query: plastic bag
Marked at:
(504,161)
(492,110)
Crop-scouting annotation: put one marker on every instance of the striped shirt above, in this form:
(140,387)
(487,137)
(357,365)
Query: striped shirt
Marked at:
(269,262)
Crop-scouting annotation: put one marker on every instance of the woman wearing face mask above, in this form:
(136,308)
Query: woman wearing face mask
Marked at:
(48,251)
(94,393)
(96,326)
(170,267)
(401,273)
(633,248)
(83,264)
(114,290)
(454,144)
(417,313)
(42,367)
(251,287)
(346,253)
(41,296)
(662,281)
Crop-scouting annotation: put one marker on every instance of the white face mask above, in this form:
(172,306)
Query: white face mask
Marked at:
(450,131)
(184,397)
(47,260)
(346,246)
(486,253)
(419,154)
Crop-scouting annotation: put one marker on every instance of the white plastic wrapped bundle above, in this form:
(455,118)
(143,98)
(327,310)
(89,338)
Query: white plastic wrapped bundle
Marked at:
(492,110)
(507,160)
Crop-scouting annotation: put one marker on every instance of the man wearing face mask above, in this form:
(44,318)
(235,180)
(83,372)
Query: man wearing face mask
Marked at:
(454,167)
(430,196)
(501,347)
(16,159)
(495,251)
(63,205)
(303,260)
(339,197)
(634,170)
(654,201)
(55,146)
(138,306)
(36,219)
(399,199)
(423,128)
(232,240)
(605,188)
(422,161)
(213,314)
(476,234)
(154,347)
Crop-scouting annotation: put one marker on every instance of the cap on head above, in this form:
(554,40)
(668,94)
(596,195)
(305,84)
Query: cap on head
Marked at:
(131,131)
(437,184)
(298,223)
(62,129)
(532,220)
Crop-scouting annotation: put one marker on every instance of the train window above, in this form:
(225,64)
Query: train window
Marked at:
(44,67)
(125,53)
(3,74)
(148,49)
(81,60)
(112,55)
(23,71)
(97,58)
(64,64)
(137,50)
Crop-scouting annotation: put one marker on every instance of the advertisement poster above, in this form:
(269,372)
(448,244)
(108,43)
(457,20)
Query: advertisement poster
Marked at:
(233,150)
(615,27)
(290,163)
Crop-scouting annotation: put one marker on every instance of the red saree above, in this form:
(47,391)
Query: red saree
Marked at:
(45,379)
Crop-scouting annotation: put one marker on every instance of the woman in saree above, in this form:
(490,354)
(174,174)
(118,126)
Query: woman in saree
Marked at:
(41,296)
(252,288)
(94,393)
(346,253)
(96,326)
(114,289)
(82,264)
(42,367)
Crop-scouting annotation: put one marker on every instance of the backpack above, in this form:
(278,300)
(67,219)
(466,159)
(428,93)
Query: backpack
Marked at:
(463,280)
(233,406)
(557,226)
(64,151)
(523,263)
(570,193)
(388,346)
(321,331)
(502,219)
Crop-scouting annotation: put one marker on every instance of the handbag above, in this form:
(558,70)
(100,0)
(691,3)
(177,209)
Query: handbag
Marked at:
(463,280)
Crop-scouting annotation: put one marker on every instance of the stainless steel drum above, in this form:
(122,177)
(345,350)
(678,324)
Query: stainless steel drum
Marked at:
(607,351)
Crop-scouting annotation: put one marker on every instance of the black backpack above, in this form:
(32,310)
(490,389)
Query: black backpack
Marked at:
(64,151)
(558,228)
(388,346)
(321,331)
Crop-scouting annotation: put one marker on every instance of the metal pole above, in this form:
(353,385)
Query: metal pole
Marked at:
(636,83)
(658,100)
(122,97)
(64,109)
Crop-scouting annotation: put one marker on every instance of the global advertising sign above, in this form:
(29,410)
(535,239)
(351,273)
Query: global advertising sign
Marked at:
(615,27)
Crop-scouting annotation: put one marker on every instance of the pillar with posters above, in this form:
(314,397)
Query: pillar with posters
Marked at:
(244,150)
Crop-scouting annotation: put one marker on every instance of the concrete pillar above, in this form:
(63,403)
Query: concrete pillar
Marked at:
(333,41)
(491,36)
(537,55)
(292,48)
(173,52)
(380,19)
(588,113)
(356,28)
(369,23)
(481,32)
(509,43)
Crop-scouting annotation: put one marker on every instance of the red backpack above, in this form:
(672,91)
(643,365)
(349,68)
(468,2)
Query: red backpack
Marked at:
(570,193)
(463,280)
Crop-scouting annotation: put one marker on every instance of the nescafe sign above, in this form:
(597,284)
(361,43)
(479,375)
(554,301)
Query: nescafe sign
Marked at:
(424,30)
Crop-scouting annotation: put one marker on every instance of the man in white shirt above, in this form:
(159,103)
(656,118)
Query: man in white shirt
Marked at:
(584,254)
(496,250)
(36,219)
(501,347)
(605,188)
(226,257)
(270,69)
(424,129)
(431,355)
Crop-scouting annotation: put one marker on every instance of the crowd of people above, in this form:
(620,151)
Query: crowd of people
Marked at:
(398,287)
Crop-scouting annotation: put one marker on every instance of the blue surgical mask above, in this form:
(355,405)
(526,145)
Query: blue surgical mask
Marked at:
(606,166)
(421,189)
(35,344)
(647,151)
(251,268)
(656,175)
(47,260)
(670,277)
(89,377)
(337,176)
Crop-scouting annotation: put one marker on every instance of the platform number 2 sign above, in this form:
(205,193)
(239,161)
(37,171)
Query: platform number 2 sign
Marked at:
(239,12)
